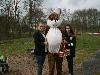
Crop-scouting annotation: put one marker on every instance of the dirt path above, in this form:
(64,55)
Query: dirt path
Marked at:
(90,66)
(26,65)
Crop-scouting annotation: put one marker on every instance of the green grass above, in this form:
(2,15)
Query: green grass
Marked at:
(86,45)
(18,46)
(98,73)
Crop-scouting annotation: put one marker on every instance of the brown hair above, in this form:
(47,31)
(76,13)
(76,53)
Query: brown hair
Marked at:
(40,23)
(71,30)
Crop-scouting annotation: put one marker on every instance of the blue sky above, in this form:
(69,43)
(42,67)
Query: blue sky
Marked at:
(72,4)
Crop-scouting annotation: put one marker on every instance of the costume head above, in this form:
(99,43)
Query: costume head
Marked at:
(54,18)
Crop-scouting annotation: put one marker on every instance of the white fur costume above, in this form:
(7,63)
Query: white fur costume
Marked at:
(54,35)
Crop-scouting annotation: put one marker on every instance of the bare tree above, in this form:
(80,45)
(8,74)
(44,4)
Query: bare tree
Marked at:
(87,19)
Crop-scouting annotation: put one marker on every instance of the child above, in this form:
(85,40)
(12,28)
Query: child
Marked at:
(3,64)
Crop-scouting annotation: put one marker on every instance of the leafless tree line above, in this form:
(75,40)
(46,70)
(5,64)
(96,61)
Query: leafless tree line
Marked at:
(17,21)
(87,20)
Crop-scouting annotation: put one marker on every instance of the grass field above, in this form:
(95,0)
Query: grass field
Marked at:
(86,45)
(16,46)
(97,73)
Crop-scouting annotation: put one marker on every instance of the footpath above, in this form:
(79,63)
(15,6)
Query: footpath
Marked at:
(26,65)
(90,66)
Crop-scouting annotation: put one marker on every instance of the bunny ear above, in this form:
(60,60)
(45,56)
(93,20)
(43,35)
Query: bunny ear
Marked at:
(58,11)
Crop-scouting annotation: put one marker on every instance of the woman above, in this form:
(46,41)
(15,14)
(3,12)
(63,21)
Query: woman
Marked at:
(40,43)
(70,39)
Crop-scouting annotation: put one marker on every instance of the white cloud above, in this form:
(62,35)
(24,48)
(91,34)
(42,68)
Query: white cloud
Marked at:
(72,4)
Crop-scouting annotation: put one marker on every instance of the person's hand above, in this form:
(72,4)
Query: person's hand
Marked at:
(45,42)
(64,41)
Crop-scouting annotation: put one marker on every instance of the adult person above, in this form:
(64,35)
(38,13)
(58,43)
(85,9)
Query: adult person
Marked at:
(54,38)
(70,40)
(40,43)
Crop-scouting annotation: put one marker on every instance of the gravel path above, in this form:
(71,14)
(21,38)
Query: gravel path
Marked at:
(90,66)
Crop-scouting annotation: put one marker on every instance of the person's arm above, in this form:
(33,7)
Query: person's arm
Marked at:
(74,46)
(74,41)
(71,41)
(37,39)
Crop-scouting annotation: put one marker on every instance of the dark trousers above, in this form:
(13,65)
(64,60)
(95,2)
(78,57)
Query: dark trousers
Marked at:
(40,61)
(70,64)
(55,60)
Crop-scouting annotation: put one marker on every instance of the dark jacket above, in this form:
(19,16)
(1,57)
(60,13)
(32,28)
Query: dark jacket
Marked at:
(71,41)
(39,43)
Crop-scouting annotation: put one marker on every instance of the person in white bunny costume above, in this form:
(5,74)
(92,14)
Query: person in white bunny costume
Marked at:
(54,35)
(54,39)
